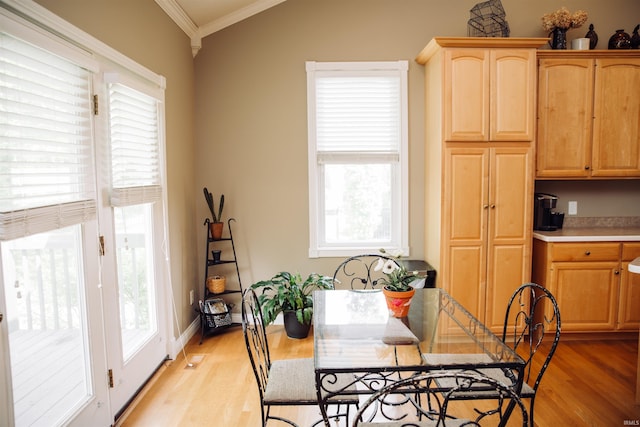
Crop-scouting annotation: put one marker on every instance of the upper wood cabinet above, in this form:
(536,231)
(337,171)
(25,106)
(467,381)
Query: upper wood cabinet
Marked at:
(588,115)
(489,94)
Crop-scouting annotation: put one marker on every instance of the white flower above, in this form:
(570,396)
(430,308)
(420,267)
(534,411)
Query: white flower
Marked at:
(389,266)
(398,278)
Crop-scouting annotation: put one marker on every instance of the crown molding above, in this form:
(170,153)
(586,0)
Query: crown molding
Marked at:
(237,16)
(178,15)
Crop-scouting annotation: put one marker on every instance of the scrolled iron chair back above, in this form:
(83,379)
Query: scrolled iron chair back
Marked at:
(532,317)
(256,340)
(358,272)
(429,403)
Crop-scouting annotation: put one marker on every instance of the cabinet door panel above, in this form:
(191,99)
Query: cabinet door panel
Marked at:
(464,280)
(466,194)
(629,311)
(513,92)
(616,126)
(464,225)
(466,91)
(586,294)
(510,199)
(508,269)
(509,230)
(565,110)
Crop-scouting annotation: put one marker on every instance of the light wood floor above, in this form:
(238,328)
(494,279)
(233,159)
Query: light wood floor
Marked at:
(589,383)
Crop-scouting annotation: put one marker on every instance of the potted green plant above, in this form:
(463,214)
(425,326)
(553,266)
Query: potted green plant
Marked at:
(397,287)
(215,223)
(287,293)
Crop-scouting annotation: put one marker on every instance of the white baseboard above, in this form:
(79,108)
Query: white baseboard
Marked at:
(179,342)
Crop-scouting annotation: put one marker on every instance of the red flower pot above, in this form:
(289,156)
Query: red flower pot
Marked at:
(398,302)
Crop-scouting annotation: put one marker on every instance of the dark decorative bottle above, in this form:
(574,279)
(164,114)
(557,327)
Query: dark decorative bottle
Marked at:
(635,38)
(620,40)
(592,36)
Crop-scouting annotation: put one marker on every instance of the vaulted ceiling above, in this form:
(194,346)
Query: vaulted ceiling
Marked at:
(199,18)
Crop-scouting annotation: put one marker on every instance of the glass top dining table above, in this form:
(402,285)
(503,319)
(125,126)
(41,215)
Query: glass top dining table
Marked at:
(354,333)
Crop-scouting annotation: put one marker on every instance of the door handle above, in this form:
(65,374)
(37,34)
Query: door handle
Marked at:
(1,317)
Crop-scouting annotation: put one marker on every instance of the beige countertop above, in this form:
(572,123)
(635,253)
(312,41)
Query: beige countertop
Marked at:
(595,234)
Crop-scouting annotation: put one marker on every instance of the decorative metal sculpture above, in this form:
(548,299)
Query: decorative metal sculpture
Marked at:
(488,20)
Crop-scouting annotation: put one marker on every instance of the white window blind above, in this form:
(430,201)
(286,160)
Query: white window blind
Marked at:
(46,167)
(135,155)
(358,113)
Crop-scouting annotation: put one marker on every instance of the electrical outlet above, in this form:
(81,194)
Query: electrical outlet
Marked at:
(191,297)
(573,208)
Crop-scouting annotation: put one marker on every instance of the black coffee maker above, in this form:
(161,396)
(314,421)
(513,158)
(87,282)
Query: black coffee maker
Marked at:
(543,217)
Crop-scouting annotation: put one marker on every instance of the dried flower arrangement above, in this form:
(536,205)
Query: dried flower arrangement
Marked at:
(563,19)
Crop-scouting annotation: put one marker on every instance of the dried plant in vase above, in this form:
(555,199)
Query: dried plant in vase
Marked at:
(558,22)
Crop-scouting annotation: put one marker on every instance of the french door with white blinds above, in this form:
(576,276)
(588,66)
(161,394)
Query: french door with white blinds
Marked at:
(81,209)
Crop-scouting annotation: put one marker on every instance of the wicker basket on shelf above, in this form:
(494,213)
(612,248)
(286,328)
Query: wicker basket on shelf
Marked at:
(216,284)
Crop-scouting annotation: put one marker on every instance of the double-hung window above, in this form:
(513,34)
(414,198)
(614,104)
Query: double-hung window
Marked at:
(358,160)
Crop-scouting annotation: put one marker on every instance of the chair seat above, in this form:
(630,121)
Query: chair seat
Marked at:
(494,373)
(292,382)
(427,423)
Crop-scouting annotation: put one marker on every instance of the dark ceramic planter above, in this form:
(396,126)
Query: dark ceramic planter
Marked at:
(294,328)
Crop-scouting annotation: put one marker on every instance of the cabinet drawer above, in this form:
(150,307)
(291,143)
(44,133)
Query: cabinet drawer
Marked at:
(630,251)
(585,251)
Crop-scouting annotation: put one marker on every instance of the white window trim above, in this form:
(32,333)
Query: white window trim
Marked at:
(314,203)
(48,23)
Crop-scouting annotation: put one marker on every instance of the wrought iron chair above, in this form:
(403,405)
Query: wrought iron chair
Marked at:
(358,272)
(289,382)
(429,403)
(532,317)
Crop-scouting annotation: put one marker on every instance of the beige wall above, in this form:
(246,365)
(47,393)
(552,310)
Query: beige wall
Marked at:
(246,137)
(616,198)
(251,131)
(142,31)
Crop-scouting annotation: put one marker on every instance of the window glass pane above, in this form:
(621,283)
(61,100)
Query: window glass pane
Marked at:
(46,316)
(357,203)
(134,249)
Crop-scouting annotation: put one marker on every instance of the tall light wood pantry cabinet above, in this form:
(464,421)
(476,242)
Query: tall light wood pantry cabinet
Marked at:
(585,101)
(480,102)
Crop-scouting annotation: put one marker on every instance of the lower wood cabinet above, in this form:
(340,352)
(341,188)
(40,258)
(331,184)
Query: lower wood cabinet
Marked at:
(629,310)
(590,281)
